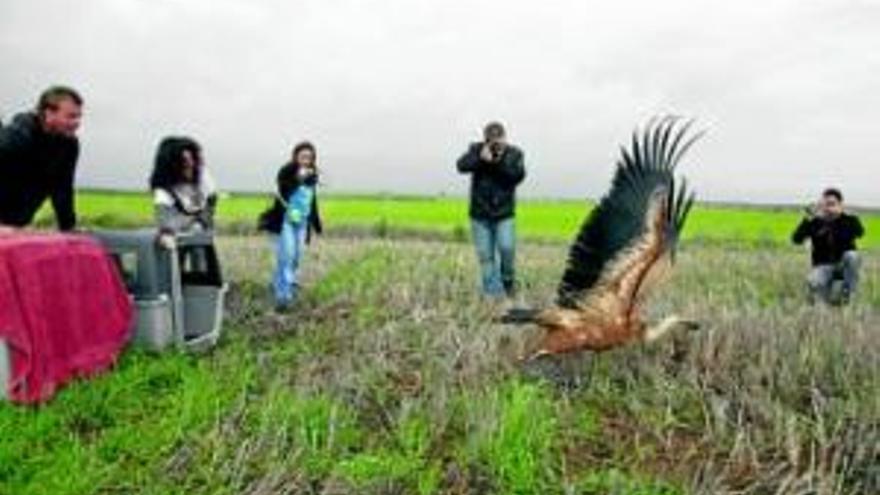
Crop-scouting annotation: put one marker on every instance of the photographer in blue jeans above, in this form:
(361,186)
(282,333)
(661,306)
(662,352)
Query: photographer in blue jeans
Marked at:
(496,169)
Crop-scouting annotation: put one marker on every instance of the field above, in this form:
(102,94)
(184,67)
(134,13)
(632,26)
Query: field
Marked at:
(446,218)
(390,376)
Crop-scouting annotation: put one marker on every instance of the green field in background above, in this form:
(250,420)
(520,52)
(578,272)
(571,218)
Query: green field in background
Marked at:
(554,220)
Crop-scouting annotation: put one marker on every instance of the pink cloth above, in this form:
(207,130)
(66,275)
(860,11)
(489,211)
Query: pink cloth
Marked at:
(64,312)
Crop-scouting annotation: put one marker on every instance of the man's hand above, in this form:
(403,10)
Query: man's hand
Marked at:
(486,153)
(809,211)
(813,210)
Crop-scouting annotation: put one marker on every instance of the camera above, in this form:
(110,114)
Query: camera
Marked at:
(496,149)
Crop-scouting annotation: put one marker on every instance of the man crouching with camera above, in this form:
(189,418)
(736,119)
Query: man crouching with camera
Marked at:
(496,169)
(832,233)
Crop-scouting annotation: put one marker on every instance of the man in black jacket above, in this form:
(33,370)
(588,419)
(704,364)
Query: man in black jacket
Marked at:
(496,169)
(38,154)
(832,233)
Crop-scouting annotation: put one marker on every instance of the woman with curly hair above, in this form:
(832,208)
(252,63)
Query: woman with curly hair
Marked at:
(293,217)
(184,195)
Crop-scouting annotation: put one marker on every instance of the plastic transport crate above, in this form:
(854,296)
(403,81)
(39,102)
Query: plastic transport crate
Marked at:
(178,293)
(5,369)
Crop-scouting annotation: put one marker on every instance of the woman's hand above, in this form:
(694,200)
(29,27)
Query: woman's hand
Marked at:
(166,240)
(294,216)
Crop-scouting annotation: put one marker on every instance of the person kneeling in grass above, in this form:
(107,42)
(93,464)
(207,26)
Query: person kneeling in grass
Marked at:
(292,217)
(832,233)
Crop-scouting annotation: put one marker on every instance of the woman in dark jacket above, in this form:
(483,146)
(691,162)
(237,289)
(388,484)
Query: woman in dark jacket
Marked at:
(292,217)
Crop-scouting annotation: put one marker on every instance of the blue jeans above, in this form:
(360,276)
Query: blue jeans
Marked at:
(495,242)
(821,278)
(289,247)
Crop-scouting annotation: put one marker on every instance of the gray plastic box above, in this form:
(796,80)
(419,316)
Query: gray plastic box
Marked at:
(5,369)
(153,323)
(178,293)
(202,316)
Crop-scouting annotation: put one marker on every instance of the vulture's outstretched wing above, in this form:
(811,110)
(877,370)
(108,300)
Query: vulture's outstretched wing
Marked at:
(629,239)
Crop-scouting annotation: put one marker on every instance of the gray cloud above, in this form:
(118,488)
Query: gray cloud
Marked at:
(391,91)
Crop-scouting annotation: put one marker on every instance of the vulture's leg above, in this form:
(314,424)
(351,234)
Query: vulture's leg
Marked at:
(668,324)
(558,341)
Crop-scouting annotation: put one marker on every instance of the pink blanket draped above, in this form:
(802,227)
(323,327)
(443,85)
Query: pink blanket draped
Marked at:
(64,312)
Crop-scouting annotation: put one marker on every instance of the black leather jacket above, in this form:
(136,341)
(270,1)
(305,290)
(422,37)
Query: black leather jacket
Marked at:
(34,166)
(830,238)
(493,184)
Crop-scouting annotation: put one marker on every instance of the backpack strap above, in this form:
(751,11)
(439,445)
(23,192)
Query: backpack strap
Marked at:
(178,205)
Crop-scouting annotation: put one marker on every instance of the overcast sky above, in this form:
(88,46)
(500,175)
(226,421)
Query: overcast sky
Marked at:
(391,91)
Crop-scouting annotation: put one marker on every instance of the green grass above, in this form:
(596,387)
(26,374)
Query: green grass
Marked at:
(90,434)
(447,217)
(390,377)
(516,440)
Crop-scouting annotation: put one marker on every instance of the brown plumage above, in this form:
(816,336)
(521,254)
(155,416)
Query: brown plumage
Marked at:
(625,247)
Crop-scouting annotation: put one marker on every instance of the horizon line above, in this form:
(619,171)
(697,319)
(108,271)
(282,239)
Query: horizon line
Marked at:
(441,195)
